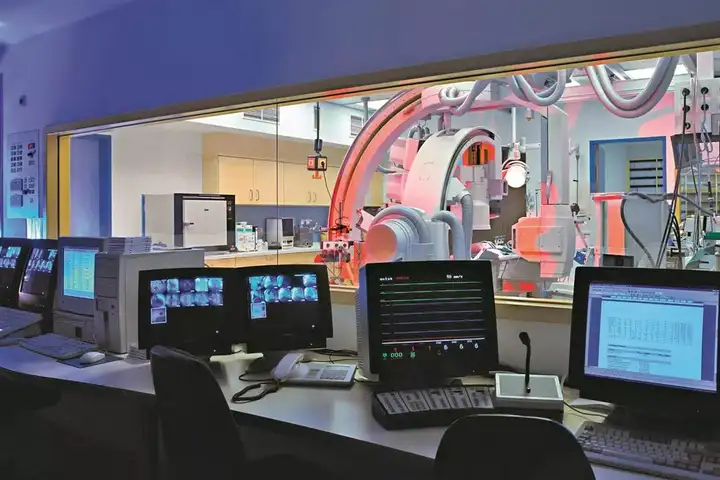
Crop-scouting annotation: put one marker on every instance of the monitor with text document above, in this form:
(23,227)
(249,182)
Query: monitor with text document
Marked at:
(646,333)
(76,273)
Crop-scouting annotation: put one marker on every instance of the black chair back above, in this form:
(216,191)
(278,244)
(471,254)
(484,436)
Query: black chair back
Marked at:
(510,447)
(199,434)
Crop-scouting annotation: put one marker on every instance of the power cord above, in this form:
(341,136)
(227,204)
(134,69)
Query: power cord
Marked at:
(584,412)
(265,385)
(676,188)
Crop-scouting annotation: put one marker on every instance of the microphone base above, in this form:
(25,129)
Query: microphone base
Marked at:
(512,396)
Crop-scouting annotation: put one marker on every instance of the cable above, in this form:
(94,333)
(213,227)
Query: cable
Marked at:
(584,412)
(632,233)
(676,188)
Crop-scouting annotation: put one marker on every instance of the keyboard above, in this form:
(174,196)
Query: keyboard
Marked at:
(650,452)
(57,346)
(324,375)
(12,320)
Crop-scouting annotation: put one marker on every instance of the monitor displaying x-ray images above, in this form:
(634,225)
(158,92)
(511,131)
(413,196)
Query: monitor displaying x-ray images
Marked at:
(283,288)
(168,293)
(188,308)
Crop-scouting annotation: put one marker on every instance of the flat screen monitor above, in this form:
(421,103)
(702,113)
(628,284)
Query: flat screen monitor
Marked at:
(288,307)
(76,274)
(13,255)
(198,310)
(37,288)
(433,319)
(646,331)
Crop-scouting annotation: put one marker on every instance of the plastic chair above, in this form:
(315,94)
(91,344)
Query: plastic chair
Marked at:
(199,434)
(510,447)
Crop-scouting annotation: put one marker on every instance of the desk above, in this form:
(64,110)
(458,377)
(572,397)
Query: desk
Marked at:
(333,413)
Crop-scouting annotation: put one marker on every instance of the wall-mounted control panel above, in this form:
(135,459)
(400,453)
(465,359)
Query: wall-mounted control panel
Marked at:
(21,171)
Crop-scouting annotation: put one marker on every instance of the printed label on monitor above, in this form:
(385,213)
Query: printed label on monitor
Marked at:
(655,335)
(186,292)
(271,289)
(158,316)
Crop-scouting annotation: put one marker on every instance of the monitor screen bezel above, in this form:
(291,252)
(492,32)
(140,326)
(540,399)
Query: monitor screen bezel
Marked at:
(479,268)
(34,303)
(25,244)
(622,392)
(66,303)
(324,320)
(233,332)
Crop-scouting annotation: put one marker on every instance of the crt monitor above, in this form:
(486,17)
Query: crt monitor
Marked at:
(646,333)
(427,320)
(76,274)
(13,255)
(288,308)
(199,310)
(37,287)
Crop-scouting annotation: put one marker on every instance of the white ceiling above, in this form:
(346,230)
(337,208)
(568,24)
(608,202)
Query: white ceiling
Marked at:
(21,19)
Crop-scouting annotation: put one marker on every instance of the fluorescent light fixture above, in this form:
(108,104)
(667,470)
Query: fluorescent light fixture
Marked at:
(376,104)
(645,73)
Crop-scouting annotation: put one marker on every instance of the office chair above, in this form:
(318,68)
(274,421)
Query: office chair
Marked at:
(199,434)
(510,447)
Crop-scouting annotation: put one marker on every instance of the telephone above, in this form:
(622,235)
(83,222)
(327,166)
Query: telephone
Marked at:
(290,366)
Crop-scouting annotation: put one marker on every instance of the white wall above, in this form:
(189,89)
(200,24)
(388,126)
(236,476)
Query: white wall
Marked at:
(297,121)
(615,166)
(151,159)
(590,120)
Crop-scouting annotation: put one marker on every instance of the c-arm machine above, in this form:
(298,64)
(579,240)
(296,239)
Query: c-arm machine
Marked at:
(433,178)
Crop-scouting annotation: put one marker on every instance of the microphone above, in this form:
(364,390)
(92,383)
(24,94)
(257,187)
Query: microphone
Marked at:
(525,339)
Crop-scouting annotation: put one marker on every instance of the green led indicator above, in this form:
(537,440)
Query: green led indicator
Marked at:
(412,354)
(384,356)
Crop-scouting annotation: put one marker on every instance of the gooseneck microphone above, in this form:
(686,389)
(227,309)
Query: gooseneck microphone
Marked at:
(525,339)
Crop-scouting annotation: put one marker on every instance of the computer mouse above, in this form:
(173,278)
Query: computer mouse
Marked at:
(91,357)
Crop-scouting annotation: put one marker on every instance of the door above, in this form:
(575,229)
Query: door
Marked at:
(236,177)
(266,182)
(204,223)
(296,184)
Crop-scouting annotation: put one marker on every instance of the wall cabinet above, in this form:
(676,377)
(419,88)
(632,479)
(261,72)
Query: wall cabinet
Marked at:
(253,182)
(268,258)
(264,182)
(300,188)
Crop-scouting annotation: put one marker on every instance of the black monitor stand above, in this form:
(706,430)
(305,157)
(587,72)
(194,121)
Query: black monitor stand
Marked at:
(266,363)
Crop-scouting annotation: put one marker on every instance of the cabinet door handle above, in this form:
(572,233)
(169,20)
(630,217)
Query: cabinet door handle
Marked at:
(251,194)
(314,197)
(309,197)
(257,192)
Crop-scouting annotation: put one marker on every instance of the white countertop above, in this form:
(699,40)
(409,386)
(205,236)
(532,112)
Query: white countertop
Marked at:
(260,253)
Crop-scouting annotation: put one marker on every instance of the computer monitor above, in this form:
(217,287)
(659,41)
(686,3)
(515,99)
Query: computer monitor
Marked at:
(37,287)
(288,308)
(200,310)
(13,256)
(640,334)
(426,321)
(76,274)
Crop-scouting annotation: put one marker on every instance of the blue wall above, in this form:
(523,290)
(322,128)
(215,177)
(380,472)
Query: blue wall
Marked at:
(90,186)
(154,53)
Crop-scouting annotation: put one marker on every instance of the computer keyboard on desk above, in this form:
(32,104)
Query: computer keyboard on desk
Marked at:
(649,452)
(12,320)
(57,346)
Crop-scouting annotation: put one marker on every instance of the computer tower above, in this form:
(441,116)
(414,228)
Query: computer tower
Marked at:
(115,325)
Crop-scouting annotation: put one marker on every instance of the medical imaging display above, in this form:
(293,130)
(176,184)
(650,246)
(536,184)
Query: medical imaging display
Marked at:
(267,290)
(180,293)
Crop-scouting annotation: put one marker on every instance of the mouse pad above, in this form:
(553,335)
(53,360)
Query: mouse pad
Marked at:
(75,362)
